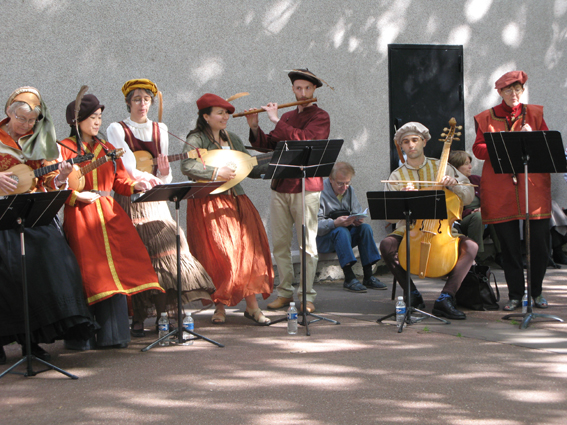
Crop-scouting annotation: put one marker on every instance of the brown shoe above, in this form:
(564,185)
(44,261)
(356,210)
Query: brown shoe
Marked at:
(310,307)
(279,302)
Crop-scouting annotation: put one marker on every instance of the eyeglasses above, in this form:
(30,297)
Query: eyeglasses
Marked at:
(144,100)
(509,90)
(24,120)
(342,184)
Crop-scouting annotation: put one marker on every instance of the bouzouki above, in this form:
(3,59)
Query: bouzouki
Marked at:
(146,162)
(26,177)
(434,249)
(77,176)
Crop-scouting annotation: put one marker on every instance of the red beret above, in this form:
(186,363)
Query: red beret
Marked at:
(511,78)
(209,99)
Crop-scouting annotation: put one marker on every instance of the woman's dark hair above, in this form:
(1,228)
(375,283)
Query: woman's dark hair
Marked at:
(203,127)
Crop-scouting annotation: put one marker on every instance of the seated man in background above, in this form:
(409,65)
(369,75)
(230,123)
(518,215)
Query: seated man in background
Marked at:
(339,231)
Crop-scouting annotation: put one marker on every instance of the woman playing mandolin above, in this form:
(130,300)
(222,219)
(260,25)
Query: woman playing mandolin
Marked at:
(412,138)
(56,300)
(113,260)
(141,137)
(227,233)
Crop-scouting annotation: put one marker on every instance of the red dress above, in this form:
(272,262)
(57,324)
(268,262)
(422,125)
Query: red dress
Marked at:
(111,255)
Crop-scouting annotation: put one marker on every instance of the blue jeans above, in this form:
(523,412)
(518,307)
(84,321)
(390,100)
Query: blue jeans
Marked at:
(342,239)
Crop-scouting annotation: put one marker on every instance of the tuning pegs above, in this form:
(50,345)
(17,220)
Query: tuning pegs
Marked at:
(443,135)
(456,138)
(458,133)
(445,129)
(459,127)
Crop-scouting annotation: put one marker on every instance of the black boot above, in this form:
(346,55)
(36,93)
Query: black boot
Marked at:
(445,307)
(37,351)
(416,300)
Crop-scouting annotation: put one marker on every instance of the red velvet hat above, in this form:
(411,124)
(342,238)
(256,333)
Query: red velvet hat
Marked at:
(209,99)
(511,78)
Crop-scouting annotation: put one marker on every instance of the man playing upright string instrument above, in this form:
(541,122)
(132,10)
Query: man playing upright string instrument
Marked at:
(307,122)
(412,138)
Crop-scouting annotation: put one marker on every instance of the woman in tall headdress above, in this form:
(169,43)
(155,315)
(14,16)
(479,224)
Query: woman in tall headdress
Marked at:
(153,221)
(112,257)
(227,234)
(503,195)
(57,305)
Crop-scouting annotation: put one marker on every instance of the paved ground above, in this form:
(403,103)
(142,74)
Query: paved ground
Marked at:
(479,371)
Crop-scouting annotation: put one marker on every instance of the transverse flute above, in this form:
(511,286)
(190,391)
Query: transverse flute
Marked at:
(283,105)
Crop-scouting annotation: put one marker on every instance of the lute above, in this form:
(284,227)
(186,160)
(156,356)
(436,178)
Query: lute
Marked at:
(26,177)
(77,176)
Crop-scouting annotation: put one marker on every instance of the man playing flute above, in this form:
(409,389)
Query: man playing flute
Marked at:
(307,122)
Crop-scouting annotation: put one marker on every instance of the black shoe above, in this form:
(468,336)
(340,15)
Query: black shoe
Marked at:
(354,286)
(2,356)
(446,308)
(559,256)
(416,301)
(137,333)
(121,345)
(37,351)
(373,283)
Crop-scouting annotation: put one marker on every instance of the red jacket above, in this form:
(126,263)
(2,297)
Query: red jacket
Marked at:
(501,199)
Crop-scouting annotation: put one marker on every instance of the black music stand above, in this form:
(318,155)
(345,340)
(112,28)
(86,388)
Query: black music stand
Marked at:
(176,192)
(299,159)
(18,212)
(408,205)
(529,152)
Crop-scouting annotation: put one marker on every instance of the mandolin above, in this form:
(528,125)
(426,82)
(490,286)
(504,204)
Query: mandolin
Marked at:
(240,162)
(26,177)
(146,162)
(434,249)
(77,176)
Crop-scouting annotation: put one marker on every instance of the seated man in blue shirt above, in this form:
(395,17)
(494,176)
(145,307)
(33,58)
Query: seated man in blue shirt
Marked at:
(339,231)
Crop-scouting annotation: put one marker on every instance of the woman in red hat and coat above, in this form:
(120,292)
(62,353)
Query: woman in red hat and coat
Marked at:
(503,195)
(226,232)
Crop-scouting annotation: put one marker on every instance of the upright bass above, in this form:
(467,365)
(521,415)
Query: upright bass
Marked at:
(434,249)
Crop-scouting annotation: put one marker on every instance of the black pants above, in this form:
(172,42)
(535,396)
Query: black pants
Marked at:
(467,252)
(509,236)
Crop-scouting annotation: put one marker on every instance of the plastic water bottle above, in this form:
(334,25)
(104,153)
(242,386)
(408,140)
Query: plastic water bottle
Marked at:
(163,329)
(188,325)
(525,302)
(292,319)
(400,312)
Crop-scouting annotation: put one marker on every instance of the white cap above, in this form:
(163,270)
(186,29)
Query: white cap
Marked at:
(400,298)
(164,314)
(292,304)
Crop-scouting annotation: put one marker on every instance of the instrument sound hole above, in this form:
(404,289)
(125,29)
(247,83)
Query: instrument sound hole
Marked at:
(15,178)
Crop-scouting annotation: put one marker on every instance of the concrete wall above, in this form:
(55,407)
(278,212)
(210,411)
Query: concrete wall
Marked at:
(192,47)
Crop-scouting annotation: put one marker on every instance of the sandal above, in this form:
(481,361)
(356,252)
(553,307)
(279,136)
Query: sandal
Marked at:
(540,302)
(219,317)
(257,316)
